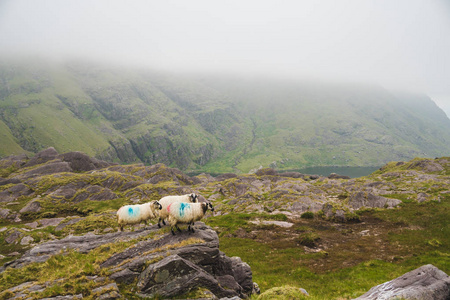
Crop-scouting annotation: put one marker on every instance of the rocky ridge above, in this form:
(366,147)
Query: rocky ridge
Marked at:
(53,202)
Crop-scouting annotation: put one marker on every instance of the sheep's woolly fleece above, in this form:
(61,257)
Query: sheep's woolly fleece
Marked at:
(167,200)
(137,213)
(188,213)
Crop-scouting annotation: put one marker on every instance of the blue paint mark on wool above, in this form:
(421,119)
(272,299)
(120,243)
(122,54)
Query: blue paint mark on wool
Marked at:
(133,212)
(183,206)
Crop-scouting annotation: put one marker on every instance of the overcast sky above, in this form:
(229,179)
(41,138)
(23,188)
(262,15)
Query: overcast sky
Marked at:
(395,43)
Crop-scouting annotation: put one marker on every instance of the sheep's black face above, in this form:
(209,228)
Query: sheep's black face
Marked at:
(210,206)
(158,205)
(194,198)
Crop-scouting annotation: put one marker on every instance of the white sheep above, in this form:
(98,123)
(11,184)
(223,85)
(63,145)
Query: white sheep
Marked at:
(187,213)
(167,200)
(137,213)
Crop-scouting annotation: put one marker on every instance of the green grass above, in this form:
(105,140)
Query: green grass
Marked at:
(415,235)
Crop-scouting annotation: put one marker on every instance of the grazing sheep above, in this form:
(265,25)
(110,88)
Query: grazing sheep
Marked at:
(187,213)
(167,200)
(134,214)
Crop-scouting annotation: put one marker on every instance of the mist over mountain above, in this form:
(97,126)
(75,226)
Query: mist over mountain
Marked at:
(212,123)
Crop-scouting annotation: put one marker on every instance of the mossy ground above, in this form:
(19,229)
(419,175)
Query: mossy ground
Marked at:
(330,260)
(345,260)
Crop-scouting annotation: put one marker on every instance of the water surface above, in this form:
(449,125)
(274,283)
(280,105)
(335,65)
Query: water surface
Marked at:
(352,172)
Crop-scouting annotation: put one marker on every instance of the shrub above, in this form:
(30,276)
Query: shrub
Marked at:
(307,215)
(308,239)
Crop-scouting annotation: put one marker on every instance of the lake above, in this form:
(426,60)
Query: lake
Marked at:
(352,172)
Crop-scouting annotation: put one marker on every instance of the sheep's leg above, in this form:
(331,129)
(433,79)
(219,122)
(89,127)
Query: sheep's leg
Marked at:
(121,228)
(159,225)
(164,223)
(171,229)
(178,228)
(192,227)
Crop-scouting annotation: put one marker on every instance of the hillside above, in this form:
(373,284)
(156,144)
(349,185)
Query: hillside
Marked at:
(211,123)
(58,231)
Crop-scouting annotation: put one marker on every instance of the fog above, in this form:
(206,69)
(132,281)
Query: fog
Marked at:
(398,44)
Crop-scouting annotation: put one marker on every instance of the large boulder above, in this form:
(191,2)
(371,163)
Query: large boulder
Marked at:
(11,194)
(174,276)
(426,165)
(14,161)
(363,199)
(424,283)
(42,157)
(80,162)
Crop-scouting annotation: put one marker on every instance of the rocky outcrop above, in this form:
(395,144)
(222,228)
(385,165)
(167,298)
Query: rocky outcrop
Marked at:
(424,283)
(182,269)
(167,265)
(80,162)
(42,157)
(361,199)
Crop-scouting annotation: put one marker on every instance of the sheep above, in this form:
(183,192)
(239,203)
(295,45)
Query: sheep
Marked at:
(187,213)
(167,200)
(137,213)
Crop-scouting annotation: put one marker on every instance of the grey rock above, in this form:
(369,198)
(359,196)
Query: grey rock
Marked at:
(47,169)
(11,194)
(334,214)
(243,274)
(32,206)
(42,252)
(424,283)
(67,297)
(12,238)
(361,199)
(125,276)
(80,162)
(61,226)
(292,174)
(422,197)
(96,193)
(42,157)
(5,181)
(337,176)
(15,161)
(50,222)
(225,176)
(4,213)
(426,166)
(109,291)
(26,240)
(174,276)
(33,225)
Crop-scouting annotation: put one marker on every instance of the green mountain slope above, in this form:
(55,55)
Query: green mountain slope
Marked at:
(299,123)
(211,123)
(114,114)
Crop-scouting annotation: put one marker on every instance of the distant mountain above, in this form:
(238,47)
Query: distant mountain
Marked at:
(211,123)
